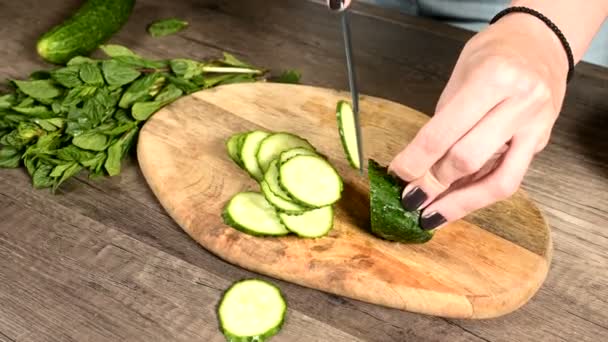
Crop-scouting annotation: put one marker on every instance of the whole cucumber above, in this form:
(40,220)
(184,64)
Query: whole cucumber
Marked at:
(90,26)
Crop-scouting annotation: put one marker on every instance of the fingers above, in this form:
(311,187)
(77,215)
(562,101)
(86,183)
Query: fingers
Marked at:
(469,104)
(498,185)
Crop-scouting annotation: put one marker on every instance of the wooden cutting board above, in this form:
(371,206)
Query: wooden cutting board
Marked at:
(486,265)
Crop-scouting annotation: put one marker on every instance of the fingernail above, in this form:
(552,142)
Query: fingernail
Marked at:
(432,221)
(336,4)
(413,199)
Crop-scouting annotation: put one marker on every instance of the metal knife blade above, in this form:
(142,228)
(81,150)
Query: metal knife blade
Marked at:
(352,80)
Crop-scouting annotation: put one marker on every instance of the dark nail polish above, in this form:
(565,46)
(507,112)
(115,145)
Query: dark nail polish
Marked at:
(414,199)
(432,221)
(336,4)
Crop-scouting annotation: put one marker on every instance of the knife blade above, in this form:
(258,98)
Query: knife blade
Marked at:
(352,80)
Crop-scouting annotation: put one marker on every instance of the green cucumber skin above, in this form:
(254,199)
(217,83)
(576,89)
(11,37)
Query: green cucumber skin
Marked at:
(303,203)
(259,338)
(342,136)
(229,221)
(92,24)
(388,218)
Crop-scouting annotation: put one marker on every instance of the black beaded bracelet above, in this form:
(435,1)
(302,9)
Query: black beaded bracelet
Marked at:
(549,23)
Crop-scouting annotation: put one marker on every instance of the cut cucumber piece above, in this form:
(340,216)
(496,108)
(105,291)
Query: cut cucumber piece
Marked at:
(311,224)
(388,218)
(232,145)
(252,310)
(249,150)
(271,177)
(348,133)
(285,156)
(280,203)
(311,180)
(272,146)
(251,213)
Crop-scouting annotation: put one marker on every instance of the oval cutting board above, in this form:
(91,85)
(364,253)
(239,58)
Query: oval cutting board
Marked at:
(486,265)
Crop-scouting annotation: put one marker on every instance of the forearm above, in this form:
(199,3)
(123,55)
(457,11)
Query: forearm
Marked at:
(579,21)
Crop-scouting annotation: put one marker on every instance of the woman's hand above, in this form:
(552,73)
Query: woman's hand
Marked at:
(494,115)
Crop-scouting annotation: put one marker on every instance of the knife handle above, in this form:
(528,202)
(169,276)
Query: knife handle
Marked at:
(338,5)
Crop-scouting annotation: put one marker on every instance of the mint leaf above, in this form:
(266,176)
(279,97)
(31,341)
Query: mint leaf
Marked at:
(60,169)
(186,86)
(139,62)
(68,76)
(118,74)
(288,76)
(91,141)
(9,157)
(141,90)
(7,101)
(143,110)
(37,111)
(39,89)
(115,50)
(117,151)
(68,173)
(185,68)
(74,153)
(78,60)
(41,176)
(91,74)
(166,27)
(231,60)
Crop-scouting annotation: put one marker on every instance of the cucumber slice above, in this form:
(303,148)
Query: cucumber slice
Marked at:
(285,156)
(232,145)
(249,150)
(251,213)
(348,133)
(388,218)
(252,310)
(311,180)
(271,177)
(273,145)
(311,224)
(280,203)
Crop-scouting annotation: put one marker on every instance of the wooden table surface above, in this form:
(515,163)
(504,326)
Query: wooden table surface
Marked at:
(102,261)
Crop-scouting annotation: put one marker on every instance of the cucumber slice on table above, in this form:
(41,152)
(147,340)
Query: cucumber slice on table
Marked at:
(311,180)
(285,156)
(280,203)
(249,150)
(311,224)
(388,218)
(252,310)
(232,145)
(348,133)
(251,213)
(272,146)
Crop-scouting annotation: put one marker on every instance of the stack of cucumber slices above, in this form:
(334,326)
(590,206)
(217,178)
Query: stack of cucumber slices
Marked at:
(298,186)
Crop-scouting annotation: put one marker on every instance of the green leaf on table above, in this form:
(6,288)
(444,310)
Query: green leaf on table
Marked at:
(7,101)
(288,76)
(79,60)
(39,89)
(117,73)
(166,27)
(117,151)
(60,169)
(91,141)
(101,106)
(231,60)
(143,110)
(68,76)
(41,176)
(74,153)
(141,90)
(185,68)
(68,173)
(186,86)
(139,62)
(115,50)
(36,111)
(118,129)
(51,124)
(28,131)
(122,116)
(91,74)
(45,145)
(9,157)
(95,163)
(78,94)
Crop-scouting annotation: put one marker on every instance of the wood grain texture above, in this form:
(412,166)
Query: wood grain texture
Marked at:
(464,272)
(401,58)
